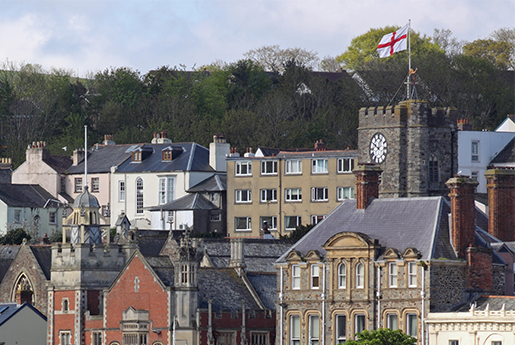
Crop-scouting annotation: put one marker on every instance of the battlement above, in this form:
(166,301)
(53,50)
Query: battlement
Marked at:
(83,256)
(404,114)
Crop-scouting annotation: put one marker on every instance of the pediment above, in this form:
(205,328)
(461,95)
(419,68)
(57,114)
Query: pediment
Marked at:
(391,253)
(349,240)
(412,253)
(294,255)
(313,255)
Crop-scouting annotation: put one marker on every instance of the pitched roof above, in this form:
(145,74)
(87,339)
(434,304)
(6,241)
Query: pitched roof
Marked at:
(7,255)
(400,223)
(59,163)
(194,157)
(8,310)
(101,158)
(24,195)
(43,255)
(214,183)
(188,202)
(506,155)
(491,302)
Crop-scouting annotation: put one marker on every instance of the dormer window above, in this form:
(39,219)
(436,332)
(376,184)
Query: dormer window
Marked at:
(136,156)
(167,155)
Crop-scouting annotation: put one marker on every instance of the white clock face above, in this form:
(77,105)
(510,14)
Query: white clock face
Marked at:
(378,148)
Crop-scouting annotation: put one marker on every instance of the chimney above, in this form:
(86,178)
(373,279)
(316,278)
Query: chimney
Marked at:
(233,152)
(249,152)
(218,151)
(463,213)
(367,184)
(161,138)
(78,156)
(479,269)
(164,134)
(237,257)
(500,184)
(108,140)
(464,125)
(37,152)
(320,146)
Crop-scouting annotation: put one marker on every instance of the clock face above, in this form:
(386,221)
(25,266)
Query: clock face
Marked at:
(378,148)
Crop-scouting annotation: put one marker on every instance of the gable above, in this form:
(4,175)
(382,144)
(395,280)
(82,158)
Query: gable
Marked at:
(348,240)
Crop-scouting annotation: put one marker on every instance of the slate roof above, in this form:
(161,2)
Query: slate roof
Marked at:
(102,158)
(151,242)
(7,255)
(8,310)
(5,175)
(24,195)
(493,303)
(43,255)
(268,151)
(193,158)
(188,202)
(303,153)
(265,284)
(215,183)
(59,163)
(399,223)
(506,155)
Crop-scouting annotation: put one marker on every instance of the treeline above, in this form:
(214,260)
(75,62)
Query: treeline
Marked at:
(287,107)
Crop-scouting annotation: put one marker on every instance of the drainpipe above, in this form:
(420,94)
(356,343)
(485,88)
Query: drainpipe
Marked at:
(423,297)
(323,303)
(281,306)
(379,296)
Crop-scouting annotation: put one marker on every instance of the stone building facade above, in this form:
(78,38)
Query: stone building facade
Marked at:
(414,145)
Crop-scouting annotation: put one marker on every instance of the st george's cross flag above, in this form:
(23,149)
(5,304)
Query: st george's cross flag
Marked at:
(393,43)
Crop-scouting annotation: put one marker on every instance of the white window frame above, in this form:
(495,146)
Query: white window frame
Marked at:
(293,194)
(271,222)
(216,217)
(95,184)
(343,193)
(293,167)
(393,274)
(295,277)
(454,342)
(295,329)
(314,329)
(319,194)
(243,196)
(52,217)
(65,337)
(268,195)
(357,318)
(248,223)
(315,277)
(315,219)
(121,190)
(390,317)
(342,275)
(166,185)
(409,330)
(139,195)
(298,222)
(319,166)
(243,168)
(78,186)
(474,151)
(412,274)
(96,338)
(345,165)
(360,276)
(17,216)
(269,167)
(341,319)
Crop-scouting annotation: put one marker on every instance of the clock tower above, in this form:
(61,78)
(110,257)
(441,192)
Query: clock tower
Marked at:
(414,145)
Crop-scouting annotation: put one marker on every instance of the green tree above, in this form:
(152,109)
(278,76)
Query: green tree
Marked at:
(14,236)
(499,53)
(382,336)
(274,59)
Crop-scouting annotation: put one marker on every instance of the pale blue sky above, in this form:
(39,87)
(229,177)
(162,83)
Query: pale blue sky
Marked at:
(92,35)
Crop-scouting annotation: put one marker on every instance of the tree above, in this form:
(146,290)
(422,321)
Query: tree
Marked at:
(14,236)
(382,336)
(443,38)
(499,53)
(299,232)
(273,58)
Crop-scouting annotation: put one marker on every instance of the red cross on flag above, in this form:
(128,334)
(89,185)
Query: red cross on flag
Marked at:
(393,43)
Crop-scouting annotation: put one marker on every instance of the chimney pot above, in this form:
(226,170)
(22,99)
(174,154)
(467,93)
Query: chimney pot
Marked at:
(367,184)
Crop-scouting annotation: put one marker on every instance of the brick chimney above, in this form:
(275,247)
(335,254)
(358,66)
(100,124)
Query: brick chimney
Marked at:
(464,125)
(500,184)
(480,269)
(320,146)
(463,213)
(367,183)
(108,140)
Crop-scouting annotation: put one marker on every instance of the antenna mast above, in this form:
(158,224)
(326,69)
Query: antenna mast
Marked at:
(85,156)
(408,81)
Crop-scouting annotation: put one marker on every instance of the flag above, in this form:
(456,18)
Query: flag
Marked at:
(393,43)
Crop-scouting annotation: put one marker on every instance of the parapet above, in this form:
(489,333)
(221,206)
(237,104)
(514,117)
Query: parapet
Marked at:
(82,256)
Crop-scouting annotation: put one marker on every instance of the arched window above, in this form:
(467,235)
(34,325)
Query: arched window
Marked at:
(65,305)
(433,169)
(360,276)
(342,276)
(139,195)
(23,290)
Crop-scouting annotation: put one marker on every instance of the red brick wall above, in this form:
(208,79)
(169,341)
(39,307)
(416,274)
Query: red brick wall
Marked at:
(64,321)
(367,184)
(480,270)
(501,203)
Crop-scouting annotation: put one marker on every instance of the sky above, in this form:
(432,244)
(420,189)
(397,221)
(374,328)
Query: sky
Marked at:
(87,36)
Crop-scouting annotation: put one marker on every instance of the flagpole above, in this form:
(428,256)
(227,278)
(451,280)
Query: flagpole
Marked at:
(409,61)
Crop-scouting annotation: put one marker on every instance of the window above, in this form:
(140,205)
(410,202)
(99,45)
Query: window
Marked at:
(473,175)
(52,217)
(295,330)
(341,328)
(474,149)
(185,274)
(269,195)
(342,276)
(496,342)
(319,194)
(319,166)
(293,194)
(293,166)
(314,329)
(244,168)
(17,216)
(135,338)
(316,219)
(343,193)
(433,169)
(359,323)
(345,165)
(392,321)
(411,325)
(167,155)
(65,305)
(166,188)
(291,222)
(95,184)
(315,276)
(454,342)
(139,195)
(213,197)
(243,195)
(65,338)
(225,338)
(258,338)
(412,274)
(63,185)
(271,222)
(96,338)
(121,190)
(78,185)
(216,217)
(360,275)
(392,274)
(136,156)
(268,167)
(242,223)
(295,277)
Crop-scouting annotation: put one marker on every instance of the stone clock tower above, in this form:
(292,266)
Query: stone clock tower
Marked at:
(414,145)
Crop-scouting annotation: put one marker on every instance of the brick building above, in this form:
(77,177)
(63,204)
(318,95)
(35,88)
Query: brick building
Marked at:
(387,262)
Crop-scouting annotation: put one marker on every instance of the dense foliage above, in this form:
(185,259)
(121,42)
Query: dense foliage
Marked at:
(285,106)
(14,236)
(382,336)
